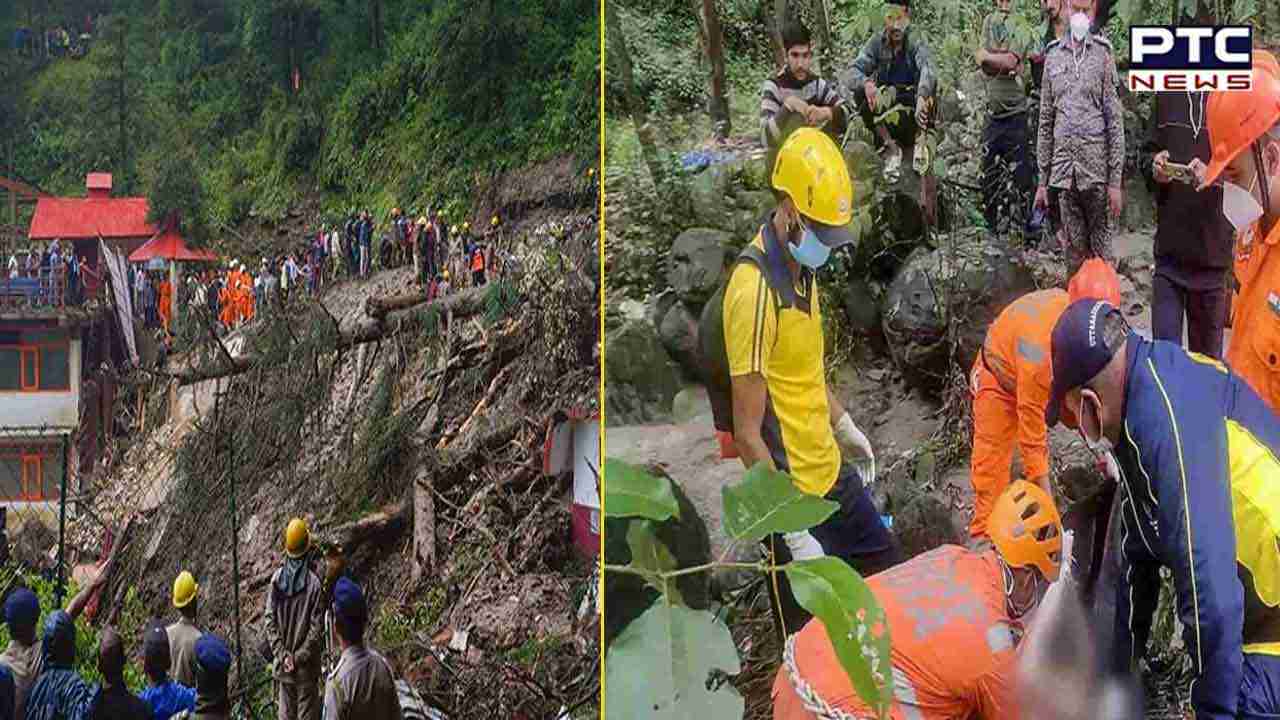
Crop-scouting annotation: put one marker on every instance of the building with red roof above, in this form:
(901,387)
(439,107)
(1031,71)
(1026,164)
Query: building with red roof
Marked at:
(120,221)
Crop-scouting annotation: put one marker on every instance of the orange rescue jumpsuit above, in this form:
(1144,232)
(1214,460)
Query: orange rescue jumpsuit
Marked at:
(954,645)
(166,303)
(228,309)
(1254,349)
(1010,391)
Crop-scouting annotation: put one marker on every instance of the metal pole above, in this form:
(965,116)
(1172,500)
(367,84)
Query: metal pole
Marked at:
(235,566)
(62,526)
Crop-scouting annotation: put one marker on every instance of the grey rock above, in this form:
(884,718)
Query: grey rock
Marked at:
(965,284)
(698,258)
(641,377)
(679,334)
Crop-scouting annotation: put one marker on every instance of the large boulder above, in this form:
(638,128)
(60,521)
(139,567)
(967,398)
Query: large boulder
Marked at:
(889,220)
(710,196)
(861,305)
(958,287)
(698,258)
(679,334)
(642,379)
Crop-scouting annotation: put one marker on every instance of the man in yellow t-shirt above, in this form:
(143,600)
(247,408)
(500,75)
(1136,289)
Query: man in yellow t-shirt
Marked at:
(783,412)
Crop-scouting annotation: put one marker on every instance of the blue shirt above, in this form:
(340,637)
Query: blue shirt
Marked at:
(169,699)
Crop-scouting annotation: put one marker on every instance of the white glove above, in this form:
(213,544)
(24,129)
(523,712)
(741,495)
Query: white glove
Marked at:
(803,546)
(854,444)
(1067,570)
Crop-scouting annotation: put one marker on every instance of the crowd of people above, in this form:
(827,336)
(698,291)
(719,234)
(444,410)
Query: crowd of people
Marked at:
(49,274)
(1188,437)
(308,620)
(444,258)
(442,254)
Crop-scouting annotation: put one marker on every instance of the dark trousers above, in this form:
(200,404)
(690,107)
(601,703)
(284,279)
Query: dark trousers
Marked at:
(1205,312)
(903,131)
(1006,172)
(855,534)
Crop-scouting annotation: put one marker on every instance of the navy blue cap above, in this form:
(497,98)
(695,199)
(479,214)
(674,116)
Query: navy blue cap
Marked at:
(212,655)
(1079,351)
(22,609)
(349,602)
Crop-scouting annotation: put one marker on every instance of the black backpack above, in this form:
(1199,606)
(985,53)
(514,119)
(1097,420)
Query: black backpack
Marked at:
(713,354)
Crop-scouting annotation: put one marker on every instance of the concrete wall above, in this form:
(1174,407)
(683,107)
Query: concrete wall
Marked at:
(40,409)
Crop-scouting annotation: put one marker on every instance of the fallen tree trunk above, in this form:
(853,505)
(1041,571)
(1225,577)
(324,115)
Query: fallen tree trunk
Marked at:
(464,302)
(393,311)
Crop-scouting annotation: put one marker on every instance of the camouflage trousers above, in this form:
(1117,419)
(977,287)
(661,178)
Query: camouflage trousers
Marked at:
(1086,222)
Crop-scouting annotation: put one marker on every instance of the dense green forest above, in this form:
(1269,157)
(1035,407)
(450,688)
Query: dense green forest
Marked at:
(226,109)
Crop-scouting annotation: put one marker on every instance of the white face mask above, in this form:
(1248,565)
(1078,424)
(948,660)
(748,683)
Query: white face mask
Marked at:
(1079,26)
(1239,206)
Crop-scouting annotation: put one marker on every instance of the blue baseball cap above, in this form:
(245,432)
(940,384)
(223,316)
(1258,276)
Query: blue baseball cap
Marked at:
(1079,351)
(212,655)
(349,602)
(22,608)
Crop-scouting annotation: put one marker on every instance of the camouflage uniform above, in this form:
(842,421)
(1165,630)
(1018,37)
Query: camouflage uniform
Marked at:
(1080,142)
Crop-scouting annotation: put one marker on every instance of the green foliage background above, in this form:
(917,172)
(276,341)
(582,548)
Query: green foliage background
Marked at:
(191,101)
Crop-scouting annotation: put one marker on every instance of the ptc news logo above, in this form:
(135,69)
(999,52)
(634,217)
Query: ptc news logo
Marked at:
(1164,58)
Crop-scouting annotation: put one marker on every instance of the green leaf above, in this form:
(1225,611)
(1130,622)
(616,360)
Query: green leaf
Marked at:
(659,666)
(767,501)
(630,492)
(648,553)
(829,589)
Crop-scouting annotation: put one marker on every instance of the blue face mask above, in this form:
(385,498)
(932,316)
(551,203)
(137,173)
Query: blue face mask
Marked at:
(811,252)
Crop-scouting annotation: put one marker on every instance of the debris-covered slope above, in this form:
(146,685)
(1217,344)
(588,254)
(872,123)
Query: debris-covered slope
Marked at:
(418,453)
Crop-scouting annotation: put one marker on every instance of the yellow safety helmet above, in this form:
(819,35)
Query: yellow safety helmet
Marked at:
(446,274)
(494,222)
(297,538)
(811,170)
(591,171)
(454,229)
(184,589)
(466,225)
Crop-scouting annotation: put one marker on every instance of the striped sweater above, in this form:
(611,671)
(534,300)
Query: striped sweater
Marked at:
(775,117)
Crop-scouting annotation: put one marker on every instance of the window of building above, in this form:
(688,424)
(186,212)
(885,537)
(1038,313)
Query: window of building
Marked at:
(30,474)
(35,361)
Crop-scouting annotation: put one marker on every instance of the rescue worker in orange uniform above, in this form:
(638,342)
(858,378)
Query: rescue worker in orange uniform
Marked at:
(1010,383)
(956,621)
(1244,132)
(226,301)
(166,303)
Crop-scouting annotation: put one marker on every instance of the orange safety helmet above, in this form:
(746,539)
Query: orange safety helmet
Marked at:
(1095,280)
(1026,529)
(1237,119)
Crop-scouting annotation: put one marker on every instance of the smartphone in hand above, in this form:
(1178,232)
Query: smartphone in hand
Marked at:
(1180,173)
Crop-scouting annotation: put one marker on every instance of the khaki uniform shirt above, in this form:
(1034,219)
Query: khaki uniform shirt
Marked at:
(182,651)
(1081,135)
(25,662)
(361,686)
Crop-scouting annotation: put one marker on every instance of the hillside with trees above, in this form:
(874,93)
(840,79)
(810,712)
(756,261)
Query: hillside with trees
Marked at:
(230,109)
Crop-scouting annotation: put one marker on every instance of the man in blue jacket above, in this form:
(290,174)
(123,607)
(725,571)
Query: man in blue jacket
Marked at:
(1200,494)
